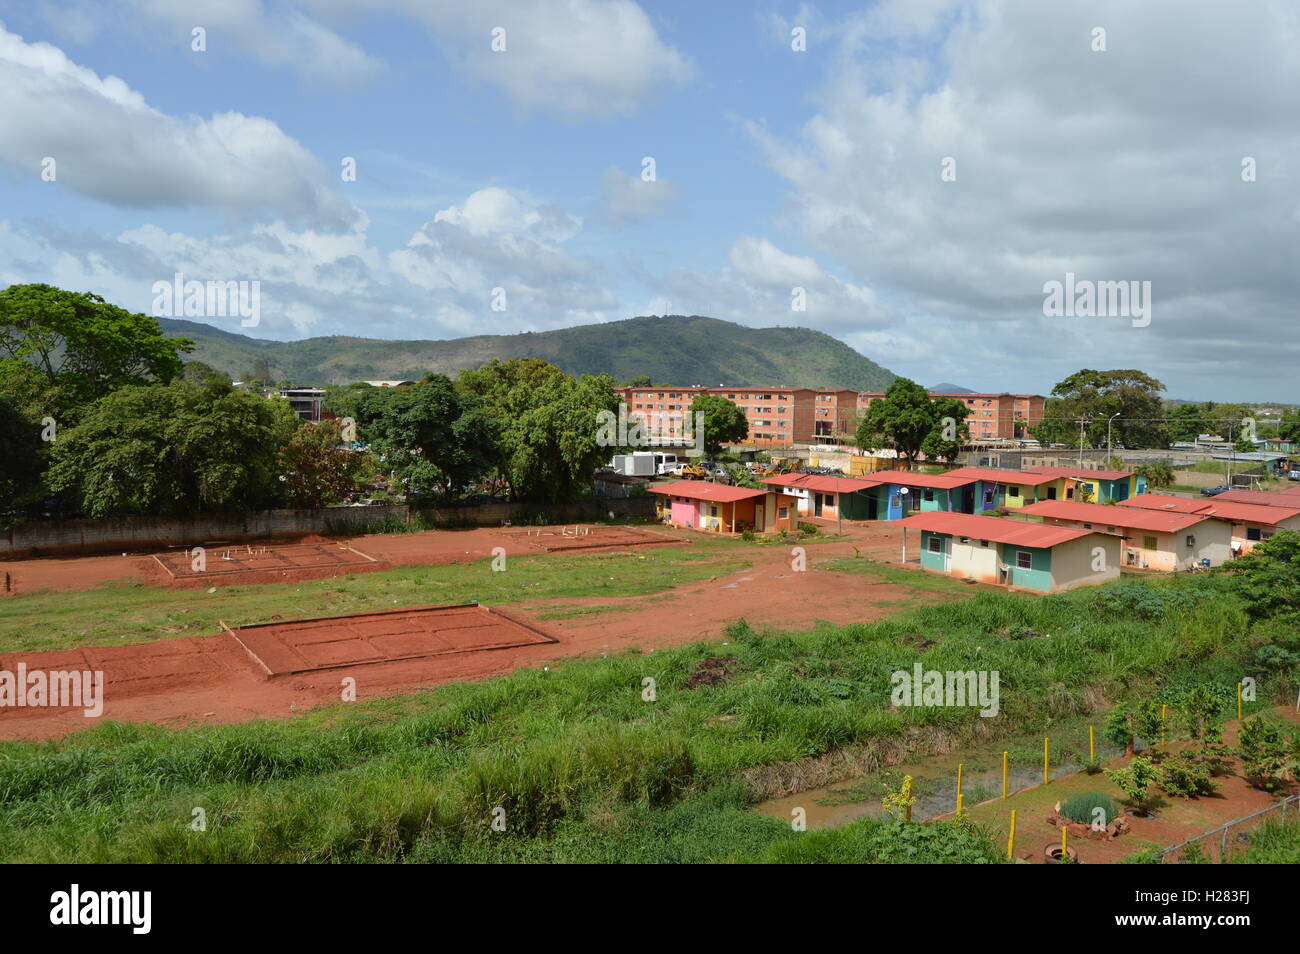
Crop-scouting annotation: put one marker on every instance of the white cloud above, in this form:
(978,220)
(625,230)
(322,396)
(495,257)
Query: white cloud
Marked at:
(1116,165)
(321,282)
(627,200)
(764,285)
(279,34)
(571,58)
(110,145)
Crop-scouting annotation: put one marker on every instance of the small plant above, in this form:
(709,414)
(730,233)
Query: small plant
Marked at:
(1092,767)
(1088,808)
(1194,854)
(747,536)
(1186,778)
(809,529)
(1135,780)
(899,803)
(1266,754)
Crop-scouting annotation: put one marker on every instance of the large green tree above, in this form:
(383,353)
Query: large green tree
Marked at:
(950,434)
(724,421)
(907,420)
(434,438)
(22,460)
(81,347)
(1131,398)
(174,450)
(549,424)
(314,469)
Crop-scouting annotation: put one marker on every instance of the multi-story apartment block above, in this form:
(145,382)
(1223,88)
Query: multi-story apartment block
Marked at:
(991,417)
(780,416)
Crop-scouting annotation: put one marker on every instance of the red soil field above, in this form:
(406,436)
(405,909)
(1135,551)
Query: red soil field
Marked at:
(204,679)
(339,642)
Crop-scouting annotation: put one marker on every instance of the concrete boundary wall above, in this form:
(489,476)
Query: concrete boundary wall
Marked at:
(106,535)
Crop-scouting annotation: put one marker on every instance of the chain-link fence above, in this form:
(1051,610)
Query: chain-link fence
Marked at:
(1217,844)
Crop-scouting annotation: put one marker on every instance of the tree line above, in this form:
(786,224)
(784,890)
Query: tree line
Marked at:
(102,416)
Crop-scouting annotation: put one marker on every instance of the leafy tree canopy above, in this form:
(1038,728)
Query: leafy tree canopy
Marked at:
(81,347)
(175,450)
(1096,397)
(907,420)
(724,422)
(548,423)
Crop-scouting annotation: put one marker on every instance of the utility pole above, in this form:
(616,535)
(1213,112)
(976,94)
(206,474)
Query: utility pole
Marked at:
(1108,424)
(1082,421)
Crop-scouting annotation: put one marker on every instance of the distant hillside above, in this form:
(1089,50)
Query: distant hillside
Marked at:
(670,349)
(946,387)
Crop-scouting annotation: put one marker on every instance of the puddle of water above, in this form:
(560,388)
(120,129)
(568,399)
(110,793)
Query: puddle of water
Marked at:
(934,784)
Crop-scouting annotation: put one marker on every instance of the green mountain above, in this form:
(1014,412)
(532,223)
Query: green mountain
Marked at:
(670,349)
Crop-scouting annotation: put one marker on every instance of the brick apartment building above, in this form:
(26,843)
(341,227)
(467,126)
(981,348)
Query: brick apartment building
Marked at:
(780,416)
(777,416)
(992,416)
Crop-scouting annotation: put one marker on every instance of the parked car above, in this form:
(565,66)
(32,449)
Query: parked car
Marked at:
(1214,491)
(1293,475)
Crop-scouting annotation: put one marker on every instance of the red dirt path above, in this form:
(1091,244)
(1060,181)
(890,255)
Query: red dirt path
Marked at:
(212,678)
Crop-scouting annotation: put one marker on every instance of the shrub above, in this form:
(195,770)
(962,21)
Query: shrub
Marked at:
(1134,780)
(1186,778)
(808,529)
(1082,808)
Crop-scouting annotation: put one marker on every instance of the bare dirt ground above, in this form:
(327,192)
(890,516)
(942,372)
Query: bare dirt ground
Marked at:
(207,679)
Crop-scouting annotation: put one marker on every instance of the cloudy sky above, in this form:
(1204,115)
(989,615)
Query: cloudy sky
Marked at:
(920,168)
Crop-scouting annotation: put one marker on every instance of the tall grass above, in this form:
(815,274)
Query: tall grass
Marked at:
(575,764)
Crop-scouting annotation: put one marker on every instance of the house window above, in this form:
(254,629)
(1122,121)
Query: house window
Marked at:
(927,495)
(1051,493)
(1087,526)
(1013,491)
(1024,560)
(782,512)
(1252,533)
(935,545)
(984,543)
(1148,543)
(713,511)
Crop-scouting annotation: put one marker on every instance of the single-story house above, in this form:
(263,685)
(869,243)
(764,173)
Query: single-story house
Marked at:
(900,492)
(708,506)
(1251,523)
(996,489)
(1153,539)
(1014,552)
(1091,486)
(827,497)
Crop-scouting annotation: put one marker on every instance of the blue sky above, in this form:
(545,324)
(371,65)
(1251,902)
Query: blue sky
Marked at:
(776,169)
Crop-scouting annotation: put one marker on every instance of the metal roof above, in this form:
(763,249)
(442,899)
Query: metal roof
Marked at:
(1083,473)
(995,475)
(823,483)
(1135,518)
(909,479)
(1216,507)
(996,529)
(704,490)
(1261,497)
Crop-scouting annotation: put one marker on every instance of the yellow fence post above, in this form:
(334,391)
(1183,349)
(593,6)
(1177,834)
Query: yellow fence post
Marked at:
(1011,839)
(1163,712)
(1004,774)
(1065,839)
(1092,746)
(1046,759)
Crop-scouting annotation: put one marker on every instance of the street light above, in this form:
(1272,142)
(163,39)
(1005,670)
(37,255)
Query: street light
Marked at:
(1110,421)
(902,494)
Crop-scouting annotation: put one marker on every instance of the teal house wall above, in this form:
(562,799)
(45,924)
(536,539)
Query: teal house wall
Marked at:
(1037,577)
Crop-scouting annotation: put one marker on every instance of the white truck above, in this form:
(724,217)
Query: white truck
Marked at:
(643,463)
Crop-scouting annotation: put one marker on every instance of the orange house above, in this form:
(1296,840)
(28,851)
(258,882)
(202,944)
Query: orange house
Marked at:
(701,505)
